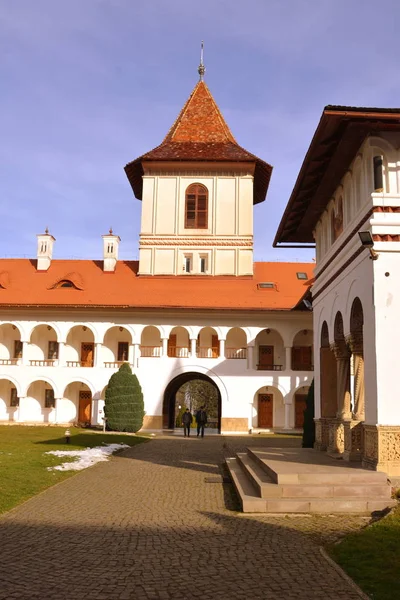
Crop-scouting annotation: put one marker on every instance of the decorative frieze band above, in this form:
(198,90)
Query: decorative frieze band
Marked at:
(189,241)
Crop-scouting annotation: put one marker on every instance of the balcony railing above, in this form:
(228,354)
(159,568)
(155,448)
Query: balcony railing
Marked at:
(116,364)
(47,362)
(9,361)
(302,367)
(205,352)
(150,351)
(178,352)
(235,352)
(269,367)
(79,363)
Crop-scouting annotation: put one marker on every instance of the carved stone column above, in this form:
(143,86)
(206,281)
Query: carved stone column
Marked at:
(355,342)
(342,356)
(336,437)
(322,433)
(353,440)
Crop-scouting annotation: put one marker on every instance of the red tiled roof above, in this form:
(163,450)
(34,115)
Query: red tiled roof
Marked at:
(200,133)
(24,286)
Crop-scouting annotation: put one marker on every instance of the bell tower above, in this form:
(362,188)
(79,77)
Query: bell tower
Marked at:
(198,188)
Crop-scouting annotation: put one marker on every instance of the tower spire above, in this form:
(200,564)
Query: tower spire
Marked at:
(201,70)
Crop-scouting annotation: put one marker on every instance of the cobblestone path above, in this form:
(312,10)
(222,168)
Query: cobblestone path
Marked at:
(147,525)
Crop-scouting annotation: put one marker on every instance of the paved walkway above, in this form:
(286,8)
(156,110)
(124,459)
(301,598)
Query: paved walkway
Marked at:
(147,525)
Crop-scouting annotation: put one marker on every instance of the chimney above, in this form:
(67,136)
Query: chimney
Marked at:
(110,251)
(44,250)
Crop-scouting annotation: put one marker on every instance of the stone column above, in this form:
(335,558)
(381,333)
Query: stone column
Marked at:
(136,355)
(193,347)
(353,428)
(342,356)
(336,426)
(96,358)
(288,361)
(61,352)
(22,401)
(222,348)
(287,416)
(355,342)
(56,409)
(131,354)
(25,346)
(164,347)
(250,357)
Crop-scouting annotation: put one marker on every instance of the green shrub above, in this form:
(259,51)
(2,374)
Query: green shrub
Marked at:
(124,407)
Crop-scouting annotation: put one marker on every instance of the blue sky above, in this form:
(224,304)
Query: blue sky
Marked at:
(89,85)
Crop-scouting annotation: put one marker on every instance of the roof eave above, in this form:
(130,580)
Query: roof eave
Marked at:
(343,124)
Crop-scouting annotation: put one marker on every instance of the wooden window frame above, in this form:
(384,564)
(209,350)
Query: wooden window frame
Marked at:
(18,346)
(14,400)
(196,216)
(52,351)
(120,351)
(49,400)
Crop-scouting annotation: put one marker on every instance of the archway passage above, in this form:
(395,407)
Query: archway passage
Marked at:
(207,395)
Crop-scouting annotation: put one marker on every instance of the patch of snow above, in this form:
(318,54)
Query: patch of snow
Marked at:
(85,458)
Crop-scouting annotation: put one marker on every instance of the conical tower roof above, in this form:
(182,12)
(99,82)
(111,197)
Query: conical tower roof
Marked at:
(200,133)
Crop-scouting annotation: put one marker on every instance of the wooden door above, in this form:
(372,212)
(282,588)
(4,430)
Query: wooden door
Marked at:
(301,358)
(265,411)
(87,351)
(85,407)
(299,407)
(214,346)
(265,357)
(172,345)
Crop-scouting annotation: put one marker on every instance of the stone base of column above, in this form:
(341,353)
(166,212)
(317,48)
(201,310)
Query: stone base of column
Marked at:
(382,448)
(336,438)
(321,434)
(353,440)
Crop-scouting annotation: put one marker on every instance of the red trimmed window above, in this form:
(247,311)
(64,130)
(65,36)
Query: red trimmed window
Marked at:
(196,207)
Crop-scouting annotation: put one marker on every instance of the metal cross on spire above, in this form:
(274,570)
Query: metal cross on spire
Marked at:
(201,70)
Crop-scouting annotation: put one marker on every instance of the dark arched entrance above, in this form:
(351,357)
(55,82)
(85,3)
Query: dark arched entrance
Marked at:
(170,394)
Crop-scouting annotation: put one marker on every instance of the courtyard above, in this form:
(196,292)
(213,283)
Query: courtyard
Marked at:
(158,521)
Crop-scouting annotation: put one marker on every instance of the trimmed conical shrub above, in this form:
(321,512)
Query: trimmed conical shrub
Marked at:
(309,424)
(124,407)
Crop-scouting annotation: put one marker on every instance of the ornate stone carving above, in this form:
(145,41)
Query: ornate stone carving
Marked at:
(353,440)
(336,437)
(195,241)
(382,448)
(321,434)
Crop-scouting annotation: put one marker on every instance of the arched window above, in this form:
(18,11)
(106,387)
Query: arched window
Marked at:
(196,207)
(378,173)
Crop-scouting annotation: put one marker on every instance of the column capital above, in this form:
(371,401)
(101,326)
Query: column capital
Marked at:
(355,342)
(340,350)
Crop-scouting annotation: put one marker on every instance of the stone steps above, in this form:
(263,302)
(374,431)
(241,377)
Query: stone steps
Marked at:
(282,481)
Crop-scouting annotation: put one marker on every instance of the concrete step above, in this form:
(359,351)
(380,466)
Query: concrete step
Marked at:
(252,503)
(343,489)
(249,500)
(266,488)
(307,466)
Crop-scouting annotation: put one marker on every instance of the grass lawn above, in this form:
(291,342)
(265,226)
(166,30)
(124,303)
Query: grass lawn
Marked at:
(372,557)
(23,462)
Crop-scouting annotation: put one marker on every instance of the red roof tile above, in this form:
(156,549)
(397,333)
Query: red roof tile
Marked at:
(200,133)
(24,286)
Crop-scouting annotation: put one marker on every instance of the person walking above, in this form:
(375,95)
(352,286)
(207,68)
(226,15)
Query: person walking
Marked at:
(187,421)
(201,420)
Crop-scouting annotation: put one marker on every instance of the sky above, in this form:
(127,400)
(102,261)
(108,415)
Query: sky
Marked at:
(87,86)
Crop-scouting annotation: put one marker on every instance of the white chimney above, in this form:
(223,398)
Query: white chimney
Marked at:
(44,250)
(110,251)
